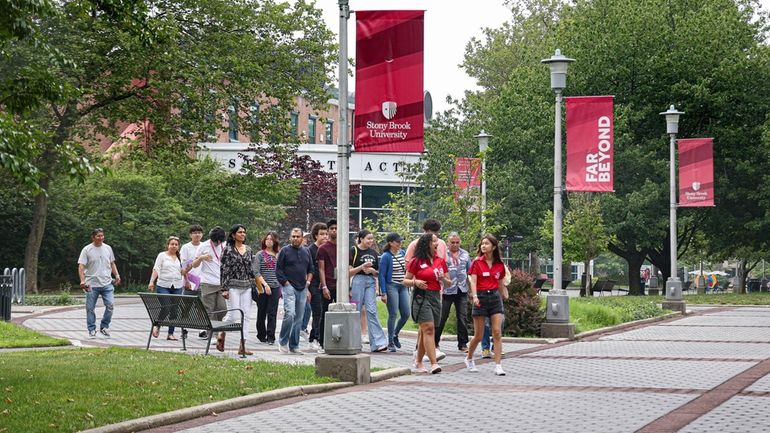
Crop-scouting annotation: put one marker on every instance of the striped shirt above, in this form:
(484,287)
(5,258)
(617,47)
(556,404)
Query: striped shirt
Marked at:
(399,269)
(264,265)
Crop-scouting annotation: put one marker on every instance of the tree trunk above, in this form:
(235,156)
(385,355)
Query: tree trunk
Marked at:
(589,280)
(534,265)
(635,259)
(35,239)
(740,277)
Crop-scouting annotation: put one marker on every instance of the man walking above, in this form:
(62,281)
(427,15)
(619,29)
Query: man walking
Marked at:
(459,263)
(327,274)
(209,260)
(96,266)
(294,270)
(187,254)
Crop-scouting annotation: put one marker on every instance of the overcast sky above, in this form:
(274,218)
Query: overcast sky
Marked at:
(449,25)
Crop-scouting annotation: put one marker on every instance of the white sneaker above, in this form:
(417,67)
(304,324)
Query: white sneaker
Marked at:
(499,370)
(283,349)
(321,351)
(365,339)
(92,334)
(314,345)
(471,365)
(304,336)
(439,356)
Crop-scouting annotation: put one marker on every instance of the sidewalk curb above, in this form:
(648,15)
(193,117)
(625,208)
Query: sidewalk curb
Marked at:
(626,325)
(186,414)
(390,373)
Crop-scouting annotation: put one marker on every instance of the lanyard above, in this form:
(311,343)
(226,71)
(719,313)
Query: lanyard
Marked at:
(215,250)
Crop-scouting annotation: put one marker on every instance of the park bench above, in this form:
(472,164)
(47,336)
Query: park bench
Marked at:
(185,312)
(601,286)
(564,284)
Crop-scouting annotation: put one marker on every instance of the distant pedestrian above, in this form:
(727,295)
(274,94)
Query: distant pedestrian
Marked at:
(459,263)
(392,272)
(319,235)
(168,273)
(427,273)
(268,288)
(364,265)
(187,254)
(96,266)
(327,273)
(294,269)
(488,292)
(208,262)
(236,280)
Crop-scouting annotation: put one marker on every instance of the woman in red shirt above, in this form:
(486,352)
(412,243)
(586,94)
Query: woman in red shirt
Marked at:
(487,292)
(427,274)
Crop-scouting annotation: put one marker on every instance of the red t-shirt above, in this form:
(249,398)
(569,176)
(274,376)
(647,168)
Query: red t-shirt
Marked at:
(432,273)
(486,278)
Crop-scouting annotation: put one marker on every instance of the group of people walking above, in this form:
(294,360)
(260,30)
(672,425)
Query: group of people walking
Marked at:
(424,282)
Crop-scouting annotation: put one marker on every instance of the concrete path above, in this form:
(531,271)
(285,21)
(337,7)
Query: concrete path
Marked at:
(130,327)
(708,372)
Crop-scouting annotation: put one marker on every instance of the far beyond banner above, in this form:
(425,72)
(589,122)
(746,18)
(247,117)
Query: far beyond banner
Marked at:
(389,81)
(467,173)
(590,144)
(696,172)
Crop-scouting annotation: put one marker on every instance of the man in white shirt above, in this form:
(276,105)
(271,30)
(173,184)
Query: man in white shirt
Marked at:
(96,266)
(207,263)
(189,252)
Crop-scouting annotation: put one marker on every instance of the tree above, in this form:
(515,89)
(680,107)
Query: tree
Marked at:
(171,65)
(701,56)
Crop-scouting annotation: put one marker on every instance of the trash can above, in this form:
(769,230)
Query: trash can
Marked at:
(6,287)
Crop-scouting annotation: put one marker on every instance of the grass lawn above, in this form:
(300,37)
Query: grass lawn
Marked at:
(15,336)
(599,312)
(75,389)
(756,298)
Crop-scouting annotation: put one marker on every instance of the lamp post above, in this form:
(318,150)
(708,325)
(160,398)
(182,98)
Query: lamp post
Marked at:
(483,138)
(557,302)
(674,299)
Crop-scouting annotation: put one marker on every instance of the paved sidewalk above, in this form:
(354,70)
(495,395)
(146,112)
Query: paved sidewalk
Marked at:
(708,372)
(130,327)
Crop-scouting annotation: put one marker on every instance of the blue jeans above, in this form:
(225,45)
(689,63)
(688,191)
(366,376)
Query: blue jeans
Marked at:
(108,295)
(306,316)
(293,309)
(398,302)
(164,313)
(365,295)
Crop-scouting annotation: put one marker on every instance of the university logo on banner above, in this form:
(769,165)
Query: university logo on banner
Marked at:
(389,81)
(590,144)
(696,172)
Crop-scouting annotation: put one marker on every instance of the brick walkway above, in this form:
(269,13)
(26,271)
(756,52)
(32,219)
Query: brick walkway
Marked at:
(708,372)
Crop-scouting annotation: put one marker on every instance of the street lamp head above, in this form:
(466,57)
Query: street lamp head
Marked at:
(672,119)
(483,138)
(558,64)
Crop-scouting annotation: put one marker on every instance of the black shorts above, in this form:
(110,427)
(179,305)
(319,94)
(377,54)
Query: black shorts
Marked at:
(490,303)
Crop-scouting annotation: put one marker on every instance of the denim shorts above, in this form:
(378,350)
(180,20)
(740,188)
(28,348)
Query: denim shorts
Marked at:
(490,303)
(426,306)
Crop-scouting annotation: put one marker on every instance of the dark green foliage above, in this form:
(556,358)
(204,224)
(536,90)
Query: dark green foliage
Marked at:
(523,313)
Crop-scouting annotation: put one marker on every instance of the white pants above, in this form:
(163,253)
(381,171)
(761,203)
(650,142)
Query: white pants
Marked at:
(240,298)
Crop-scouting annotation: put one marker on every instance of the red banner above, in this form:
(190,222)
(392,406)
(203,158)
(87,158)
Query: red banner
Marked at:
(467,173)
(590,143)
(696,172)
(389,81)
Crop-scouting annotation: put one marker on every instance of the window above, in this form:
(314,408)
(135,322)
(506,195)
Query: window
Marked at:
(254,123)
(294,124)
(329,127)
(232,121)
(311,127)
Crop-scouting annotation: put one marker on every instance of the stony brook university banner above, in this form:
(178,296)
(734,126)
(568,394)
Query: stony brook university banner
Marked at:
(696,172)
(590,143)
(389,81)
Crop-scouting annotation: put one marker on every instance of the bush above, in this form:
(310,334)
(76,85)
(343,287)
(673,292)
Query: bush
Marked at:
(523,314)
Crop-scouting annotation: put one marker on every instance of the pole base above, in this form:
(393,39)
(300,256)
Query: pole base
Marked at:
(347,368)
(557,330)
(679,306)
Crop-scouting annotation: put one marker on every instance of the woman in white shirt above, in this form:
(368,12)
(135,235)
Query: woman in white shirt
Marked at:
(169,275)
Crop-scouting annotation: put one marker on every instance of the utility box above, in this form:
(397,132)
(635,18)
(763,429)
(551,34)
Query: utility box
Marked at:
(342,330)
(557,308)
